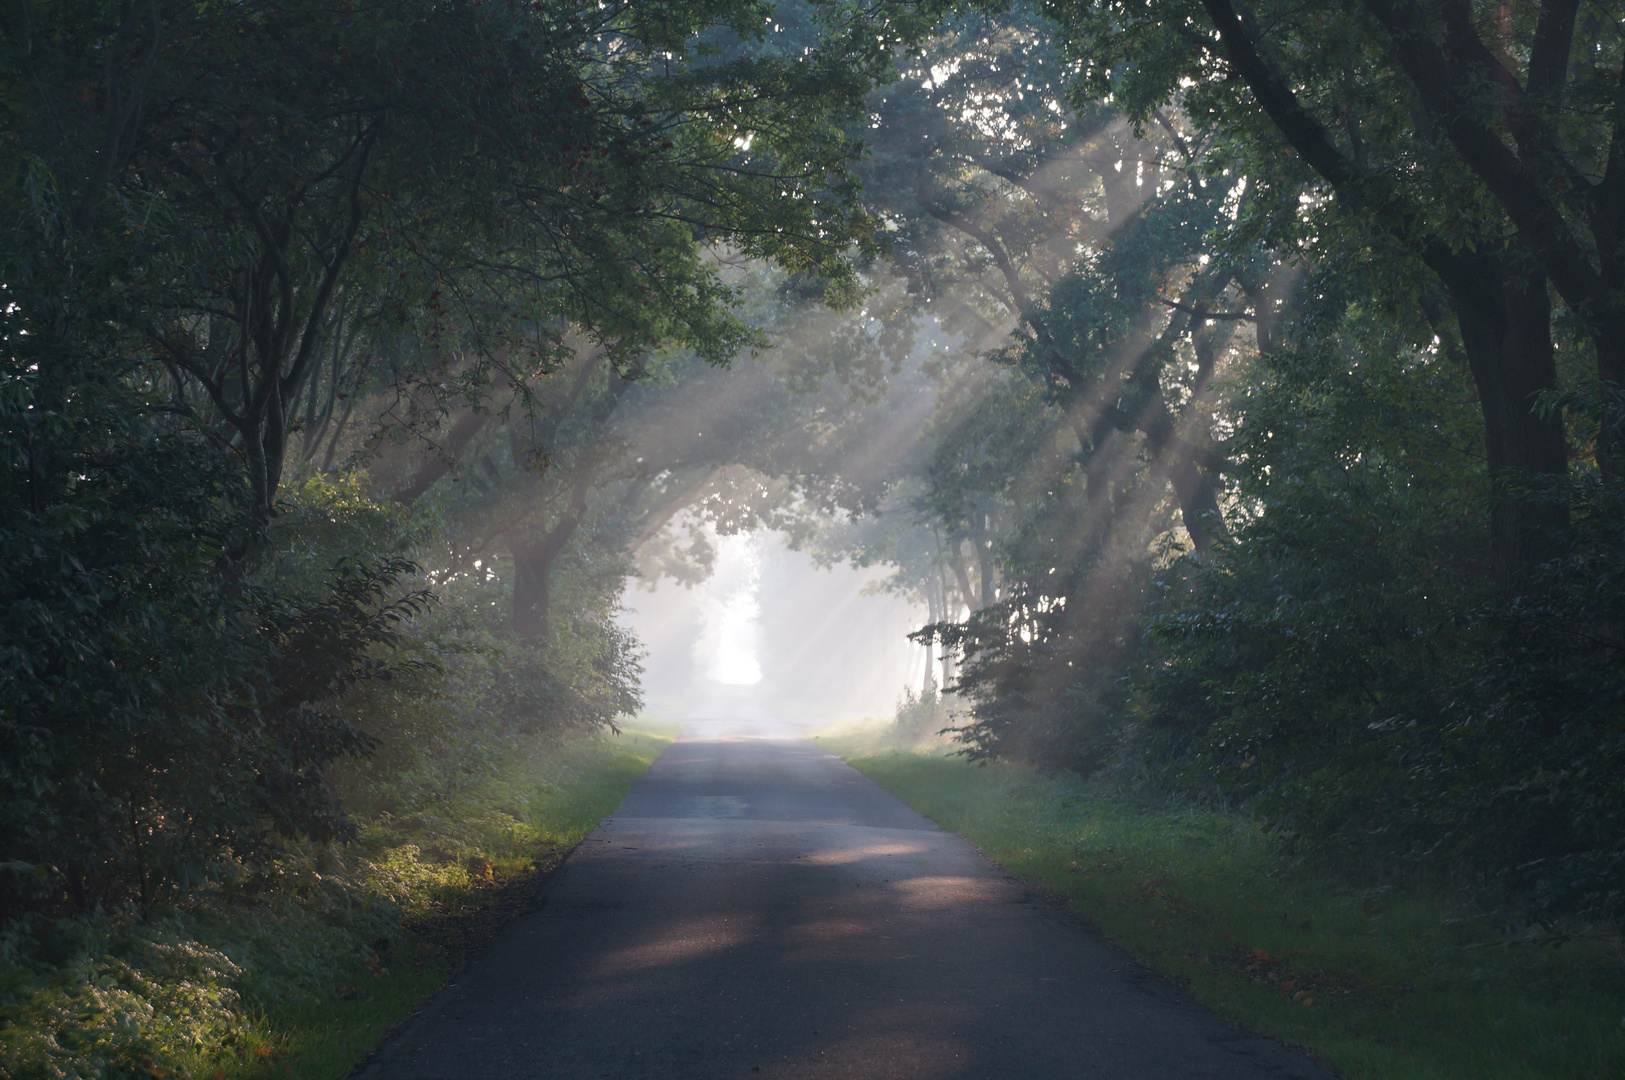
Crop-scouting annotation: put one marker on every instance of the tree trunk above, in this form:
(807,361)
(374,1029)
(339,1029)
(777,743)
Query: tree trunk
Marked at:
(956,559)
(532,594)
(984,563)
(928,684)
(1505,315)
(1198,492)
(1610,346)
(950,611)
(445,456)
(1501,304)
(533,563)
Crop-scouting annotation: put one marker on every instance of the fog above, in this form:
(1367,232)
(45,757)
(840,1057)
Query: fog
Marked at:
(772,635)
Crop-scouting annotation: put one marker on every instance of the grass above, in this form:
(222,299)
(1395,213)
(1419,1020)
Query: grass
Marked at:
(324,1040)
(299,976)
(1377,983)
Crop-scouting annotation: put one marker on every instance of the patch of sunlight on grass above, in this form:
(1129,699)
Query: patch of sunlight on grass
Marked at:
(1378,984)
(324,1039)
(650,724)
(877,735)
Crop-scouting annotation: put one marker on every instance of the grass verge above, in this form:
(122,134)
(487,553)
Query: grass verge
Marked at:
(1377,983)
(296,973)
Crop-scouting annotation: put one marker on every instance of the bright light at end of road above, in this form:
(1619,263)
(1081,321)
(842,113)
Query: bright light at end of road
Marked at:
(736,646)
(733,624)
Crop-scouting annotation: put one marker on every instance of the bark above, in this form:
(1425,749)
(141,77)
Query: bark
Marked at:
(984,563)
(1195,476)
(949,612)
(956,559)
(1501,300)
(1198,492)
(1020,302)
(535,558)
(278,332)
(338,433)
(533,563)
(470,423)
(673,504)
(1097,483)
(928,685)
(1530,179)
(1504,314)
(457,439)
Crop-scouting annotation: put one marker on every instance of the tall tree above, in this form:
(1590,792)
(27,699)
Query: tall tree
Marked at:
(477,175)
(1400,109)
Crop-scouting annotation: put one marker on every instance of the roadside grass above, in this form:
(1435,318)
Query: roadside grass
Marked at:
(1377,983)
(300,975)
(493,865)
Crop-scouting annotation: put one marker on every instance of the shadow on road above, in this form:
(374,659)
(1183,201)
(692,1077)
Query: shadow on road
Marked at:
(757,908)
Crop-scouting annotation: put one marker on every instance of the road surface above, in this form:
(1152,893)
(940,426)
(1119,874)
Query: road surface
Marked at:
(759,909)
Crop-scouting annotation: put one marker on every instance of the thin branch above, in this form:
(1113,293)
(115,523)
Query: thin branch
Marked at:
(1203,313)
(1001,258)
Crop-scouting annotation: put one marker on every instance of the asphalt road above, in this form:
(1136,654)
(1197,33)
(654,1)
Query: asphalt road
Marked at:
(758,908)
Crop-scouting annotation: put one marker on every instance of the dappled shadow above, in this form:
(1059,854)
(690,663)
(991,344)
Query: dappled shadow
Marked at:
(815,928)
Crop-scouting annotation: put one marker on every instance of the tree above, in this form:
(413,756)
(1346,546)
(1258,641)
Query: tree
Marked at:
(1401,128)
(219,222)
(483,173)
(1042,233)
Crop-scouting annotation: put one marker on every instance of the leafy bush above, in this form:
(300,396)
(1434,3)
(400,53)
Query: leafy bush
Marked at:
(921,716)
(1043,670)
(208,983)
(1349,666)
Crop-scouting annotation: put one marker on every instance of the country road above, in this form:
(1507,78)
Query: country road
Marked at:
(759,909)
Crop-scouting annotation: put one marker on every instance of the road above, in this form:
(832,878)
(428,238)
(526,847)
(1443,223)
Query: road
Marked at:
(759,909)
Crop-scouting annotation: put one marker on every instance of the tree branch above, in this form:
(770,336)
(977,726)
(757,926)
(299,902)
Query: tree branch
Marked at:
(1536,217)
(1203,313)
(1554,40)
(1001,258)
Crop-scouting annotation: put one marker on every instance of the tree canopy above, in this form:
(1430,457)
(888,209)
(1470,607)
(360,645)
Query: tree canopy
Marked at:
(1236,386)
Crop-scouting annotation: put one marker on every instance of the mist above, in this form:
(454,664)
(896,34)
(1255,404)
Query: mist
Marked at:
(770,634)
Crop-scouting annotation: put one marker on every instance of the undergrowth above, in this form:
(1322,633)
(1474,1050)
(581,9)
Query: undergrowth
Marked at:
(296,971)
(1378,982)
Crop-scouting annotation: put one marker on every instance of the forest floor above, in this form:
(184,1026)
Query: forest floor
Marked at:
(1378,983)
(301,979)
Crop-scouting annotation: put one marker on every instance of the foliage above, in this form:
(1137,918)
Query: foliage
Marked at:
(233,978)
(920,716)
(1347,666)
(1336,359)
(1240,413)
(218,222)
(164,711)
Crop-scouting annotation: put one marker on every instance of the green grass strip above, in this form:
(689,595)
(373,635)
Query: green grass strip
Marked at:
(299,972)
(324,1040)
(1377,983)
